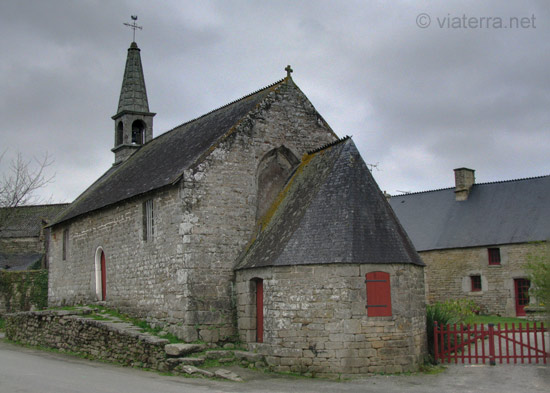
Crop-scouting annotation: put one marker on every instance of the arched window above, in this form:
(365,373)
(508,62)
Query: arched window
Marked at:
(273,172)
(119,134)
(138,132)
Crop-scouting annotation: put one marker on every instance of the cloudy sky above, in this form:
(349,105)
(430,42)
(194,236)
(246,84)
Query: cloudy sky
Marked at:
(422,86)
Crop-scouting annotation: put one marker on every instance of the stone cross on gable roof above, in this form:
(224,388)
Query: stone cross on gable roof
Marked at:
(288,70)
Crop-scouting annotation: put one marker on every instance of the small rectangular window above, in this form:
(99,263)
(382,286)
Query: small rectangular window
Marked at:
(378,294)
(494,256)
(65,243)
(476,283)
(148,220)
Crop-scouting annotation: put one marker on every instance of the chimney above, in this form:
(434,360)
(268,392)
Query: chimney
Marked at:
(464,180)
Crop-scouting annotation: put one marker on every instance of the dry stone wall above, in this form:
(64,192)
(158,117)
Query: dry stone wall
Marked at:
(315,319)
(448,275)
(68,331)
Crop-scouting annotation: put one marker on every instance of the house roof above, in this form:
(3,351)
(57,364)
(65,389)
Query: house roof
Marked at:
(17,262)
(505,212)
(331,211)
(27,221)
(161,161)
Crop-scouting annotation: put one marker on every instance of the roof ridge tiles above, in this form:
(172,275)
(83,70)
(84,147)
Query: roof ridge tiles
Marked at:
(475,184)
(336,142)
(511,180)
(223,106)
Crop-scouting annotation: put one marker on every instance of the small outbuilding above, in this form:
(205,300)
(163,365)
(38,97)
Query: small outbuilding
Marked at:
(331,283)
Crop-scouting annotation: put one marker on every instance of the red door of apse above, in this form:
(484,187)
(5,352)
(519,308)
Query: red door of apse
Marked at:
(260,311)
(103,277)
(522,295)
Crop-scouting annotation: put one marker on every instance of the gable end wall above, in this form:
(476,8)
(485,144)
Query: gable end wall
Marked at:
(220,205)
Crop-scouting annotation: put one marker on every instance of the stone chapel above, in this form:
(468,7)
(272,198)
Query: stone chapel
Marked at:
(252,223)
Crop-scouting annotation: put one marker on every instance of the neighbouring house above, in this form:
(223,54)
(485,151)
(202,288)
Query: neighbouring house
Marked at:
(24,240)
(184,228)
(23,236)
(476,238)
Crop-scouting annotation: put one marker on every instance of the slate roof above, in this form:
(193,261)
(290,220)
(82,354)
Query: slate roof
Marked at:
(331,211)
(18,262)
(133,94)
(161,161)
(26,221)
(506,212)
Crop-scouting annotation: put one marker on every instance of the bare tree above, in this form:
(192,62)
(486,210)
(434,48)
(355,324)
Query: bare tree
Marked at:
(19,184)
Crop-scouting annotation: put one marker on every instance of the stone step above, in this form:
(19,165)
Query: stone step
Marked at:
(180,350)
(250,357)
(194,370)
(219,354)
(226,374)
(191,361)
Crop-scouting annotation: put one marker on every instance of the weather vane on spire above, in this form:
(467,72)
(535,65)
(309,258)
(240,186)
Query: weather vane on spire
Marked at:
(133,26)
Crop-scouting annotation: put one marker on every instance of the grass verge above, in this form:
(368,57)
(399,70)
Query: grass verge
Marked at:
(495,319)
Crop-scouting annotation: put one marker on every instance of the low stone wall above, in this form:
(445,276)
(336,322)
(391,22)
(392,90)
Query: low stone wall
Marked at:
(23,290)
(316,323)
(71,331)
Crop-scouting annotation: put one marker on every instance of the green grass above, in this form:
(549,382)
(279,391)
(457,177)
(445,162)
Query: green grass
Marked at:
(101,312)
(495,319)
(2,324)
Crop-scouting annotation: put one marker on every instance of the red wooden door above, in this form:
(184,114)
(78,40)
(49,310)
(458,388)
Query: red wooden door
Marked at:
(103,277)
(522,295)
(378,294)
(260,311)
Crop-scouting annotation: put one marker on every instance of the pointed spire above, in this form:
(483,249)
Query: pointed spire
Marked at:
(133,95)
(133,121)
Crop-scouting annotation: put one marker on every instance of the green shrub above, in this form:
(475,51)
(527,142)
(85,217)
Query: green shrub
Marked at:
(443,314)
(23,290)
(461,309)
(538,268)
(448,313)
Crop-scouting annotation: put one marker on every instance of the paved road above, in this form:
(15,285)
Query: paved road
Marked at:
(27,370)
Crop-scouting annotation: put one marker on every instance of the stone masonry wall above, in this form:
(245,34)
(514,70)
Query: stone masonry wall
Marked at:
(22,245)
(143,277)
(315,319)
(184,278)
(219,205)
(448,275)
(70,332)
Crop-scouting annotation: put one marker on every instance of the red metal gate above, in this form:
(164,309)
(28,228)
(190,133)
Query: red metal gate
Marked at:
(480,344)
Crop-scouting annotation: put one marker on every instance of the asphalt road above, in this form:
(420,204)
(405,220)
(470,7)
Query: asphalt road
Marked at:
(28,370)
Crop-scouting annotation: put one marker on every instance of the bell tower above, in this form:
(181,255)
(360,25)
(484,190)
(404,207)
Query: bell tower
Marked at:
(133,120)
